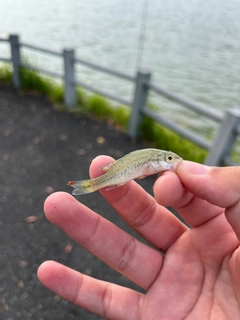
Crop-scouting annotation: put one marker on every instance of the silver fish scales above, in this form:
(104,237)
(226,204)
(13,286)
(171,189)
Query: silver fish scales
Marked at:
(136,164)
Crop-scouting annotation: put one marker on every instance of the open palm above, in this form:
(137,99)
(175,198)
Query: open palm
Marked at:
(188,273)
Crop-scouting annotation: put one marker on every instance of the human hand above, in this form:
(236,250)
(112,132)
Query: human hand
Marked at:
(197,278)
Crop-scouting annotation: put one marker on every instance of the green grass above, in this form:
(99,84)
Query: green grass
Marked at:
(33,81)
(5,73)
(165,139)
(102,108)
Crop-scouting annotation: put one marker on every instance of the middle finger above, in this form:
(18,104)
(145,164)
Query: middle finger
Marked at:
(140,210)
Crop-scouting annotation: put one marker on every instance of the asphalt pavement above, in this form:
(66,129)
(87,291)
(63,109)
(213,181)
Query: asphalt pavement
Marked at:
(41,149)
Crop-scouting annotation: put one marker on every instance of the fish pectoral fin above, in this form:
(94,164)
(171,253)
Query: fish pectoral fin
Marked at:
(106,167)
(153,167)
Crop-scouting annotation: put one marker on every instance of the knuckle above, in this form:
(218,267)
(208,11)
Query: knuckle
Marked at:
(92,233)
(107,300)
(128,254)
(145,215)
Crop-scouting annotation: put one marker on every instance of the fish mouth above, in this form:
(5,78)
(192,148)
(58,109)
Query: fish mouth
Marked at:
(177,163)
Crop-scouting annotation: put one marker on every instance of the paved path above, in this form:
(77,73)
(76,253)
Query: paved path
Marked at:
(41,149)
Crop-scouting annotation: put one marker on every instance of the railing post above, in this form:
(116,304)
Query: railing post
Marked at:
(139,102)
(70,98)
(16,59)
(225,138)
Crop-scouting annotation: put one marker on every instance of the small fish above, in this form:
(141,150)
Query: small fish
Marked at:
(136,164)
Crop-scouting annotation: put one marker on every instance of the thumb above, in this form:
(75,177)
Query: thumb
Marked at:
(218,185)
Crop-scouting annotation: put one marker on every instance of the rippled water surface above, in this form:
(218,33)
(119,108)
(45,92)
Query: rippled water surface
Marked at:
(191,47)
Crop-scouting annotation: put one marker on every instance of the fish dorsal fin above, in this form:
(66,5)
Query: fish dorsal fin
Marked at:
(107,166)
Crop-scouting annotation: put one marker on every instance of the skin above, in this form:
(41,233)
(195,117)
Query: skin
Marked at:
(199,275)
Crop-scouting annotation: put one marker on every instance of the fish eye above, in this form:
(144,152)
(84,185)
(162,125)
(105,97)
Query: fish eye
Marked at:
(169,158)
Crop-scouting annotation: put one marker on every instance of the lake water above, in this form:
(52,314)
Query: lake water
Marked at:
(191,47)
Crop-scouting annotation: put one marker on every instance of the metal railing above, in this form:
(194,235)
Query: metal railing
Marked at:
(229,123)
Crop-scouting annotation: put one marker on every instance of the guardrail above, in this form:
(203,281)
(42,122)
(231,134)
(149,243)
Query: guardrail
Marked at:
(219,149)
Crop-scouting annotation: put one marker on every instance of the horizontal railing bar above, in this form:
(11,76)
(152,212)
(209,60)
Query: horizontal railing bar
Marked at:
(89,64)
(43,50)
(5,60)
(103,93)
(192,105)
(183,132)
(142,86)
(50,73)
(106,70)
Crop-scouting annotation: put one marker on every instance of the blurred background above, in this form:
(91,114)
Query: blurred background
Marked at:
(190,47)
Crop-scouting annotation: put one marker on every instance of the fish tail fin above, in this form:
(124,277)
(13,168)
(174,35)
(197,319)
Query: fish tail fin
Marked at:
(81,187)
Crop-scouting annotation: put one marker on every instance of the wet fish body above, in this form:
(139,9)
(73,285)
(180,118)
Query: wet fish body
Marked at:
(136,164)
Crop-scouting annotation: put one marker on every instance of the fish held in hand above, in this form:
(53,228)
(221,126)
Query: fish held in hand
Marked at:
(134,165)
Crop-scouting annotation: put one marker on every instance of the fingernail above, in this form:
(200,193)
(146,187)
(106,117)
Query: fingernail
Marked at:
(194,167)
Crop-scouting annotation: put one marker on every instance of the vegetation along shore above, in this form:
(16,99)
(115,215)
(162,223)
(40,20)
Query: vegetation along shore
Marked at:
(102,108)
